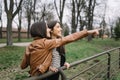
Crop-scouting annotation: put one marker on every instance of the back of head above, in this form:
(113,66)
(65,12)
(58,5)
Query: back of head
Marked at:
(38,29)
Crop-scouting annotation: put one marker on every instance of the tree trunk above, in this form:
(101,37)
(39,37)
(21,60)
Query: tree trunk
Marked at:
(111,29)
(29,22)
(19,33)
(1,28)
(90,16)
(60,11)
(73,17)
(28,32)
(10,15)
(19,26)
(9,32)
(0,32)
(34,10)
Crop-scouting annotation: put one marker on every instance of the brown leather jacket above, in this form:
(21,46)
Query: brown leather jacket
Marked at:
(38,54)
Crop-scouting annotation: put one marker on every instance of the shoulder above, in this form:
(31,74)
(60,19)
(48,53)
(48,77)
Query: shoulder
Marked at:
(38,43)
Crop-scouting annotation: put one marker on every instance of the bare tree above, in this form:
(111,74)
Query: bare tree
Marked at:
(73,17)
(1,20)
(77,6)
(28,5)
(111,27)
(60,11)
(34,8)
(37,11)
(90,15)
(19,27)
(82,17)
(103,23)
(19,22)
(10,16)
(46,12)
(43,14)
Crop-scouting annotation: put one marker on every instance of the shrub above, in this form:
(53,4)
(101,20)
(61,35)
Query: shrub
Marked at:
(117,30)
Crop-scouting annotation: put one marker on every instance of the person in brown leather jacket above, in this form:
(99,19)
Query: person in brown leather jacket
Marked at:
(38,55)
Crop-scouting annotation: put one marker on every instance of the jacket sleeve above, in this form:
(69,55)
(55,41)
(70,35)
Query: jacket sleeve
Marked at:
(26,59)
(50,44)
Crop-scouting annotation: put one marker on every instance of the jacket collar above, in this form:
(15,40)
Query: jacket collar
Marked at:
(35,38)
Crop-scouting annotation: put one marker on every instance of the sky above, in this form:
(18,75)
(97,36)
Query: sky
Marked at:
(113,9)
(112,12)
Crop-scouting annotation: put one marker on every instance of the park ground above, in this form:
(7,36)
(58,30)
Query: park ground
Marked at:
(10,57)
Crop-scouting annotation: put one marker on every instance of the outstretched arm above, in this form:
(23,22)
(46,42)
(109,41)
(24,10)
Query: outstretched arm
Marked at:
(94,31)
(52,43)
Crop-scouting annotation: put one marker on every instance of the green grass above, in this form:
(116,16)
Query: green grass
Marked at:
(82,48)
(10,57)
(117,77)
(15,40)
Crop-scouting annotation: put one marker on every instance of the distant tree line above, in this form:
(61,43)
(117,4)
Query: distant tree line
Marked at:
(82,14)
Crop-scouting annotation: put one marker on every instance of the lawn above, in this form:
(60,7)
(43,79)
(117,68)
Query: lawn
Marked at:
(15,40)
(82,49)
(10,57)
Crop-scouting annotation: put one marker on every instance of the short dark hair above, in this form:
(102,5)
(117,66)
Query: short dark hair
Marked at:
(38,29)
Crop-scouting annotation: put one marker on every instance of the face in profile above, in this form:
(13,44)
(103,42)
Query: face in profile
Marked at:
(57,30)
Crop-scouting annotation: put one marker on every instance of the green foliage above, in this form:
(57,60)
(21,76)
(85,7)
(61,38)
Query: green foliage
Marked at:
(117,29)
(117,77)
(66,32)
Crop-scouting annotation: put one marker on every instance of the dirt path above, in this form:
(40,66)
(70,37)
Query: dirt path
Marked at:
(16,44)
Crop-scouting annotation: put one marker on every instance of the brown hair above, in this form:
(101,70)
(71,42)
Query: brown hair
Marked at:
(52,24)
(38,29)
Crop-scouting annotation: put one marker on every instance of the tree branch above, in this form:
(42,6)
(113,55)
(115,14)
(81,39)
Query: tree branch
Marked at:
(5,6)
(56,7)
(18,8)
(11,5)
